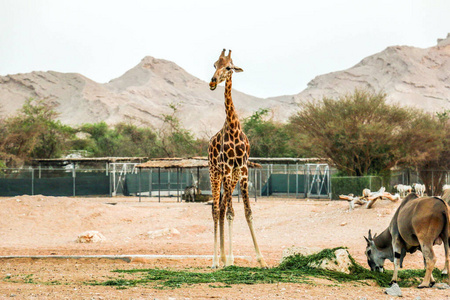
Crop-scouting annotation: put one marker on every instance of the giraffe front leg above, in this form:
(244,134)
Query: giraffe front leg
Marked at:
(215,263)
(230,218)
(215,187)
(216,215)
(222,232)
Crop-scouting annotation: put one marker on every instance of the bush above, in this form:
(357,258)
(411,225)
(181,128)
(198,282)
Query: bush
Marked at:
(353,185)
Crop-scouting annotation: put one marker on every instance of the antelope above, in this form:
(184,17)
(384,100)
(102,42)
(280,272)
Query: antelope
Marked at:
(418,224)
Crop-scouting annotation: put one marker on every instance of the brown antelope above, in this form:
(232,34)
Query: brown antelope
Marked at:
(418,224)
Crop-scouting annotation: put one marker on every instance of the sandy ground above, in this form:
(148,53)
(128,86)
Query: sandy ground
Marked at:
(38,225)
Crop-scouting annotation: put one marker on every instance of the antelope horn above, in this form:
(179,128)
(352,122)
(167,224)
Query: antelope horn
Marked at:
(370,235)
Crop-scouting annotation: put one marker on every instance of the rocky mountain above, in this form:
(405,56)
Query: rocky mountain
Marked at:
(410,76)
(142,95)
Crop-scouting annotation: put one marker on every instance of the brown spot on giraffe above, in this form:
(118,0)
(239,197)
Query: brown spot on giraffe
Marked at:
(228,153)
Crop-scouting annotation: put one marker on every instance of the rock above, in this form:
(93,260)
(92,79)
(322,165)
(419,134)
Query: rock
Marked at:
(90,237)
(394,290)
(341,263)
(305,251)
(163,232)
(442,286)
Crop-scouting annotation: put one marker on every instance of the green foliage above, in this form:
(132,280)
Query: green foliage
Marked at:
(438,158)
(33,133)
(353,185)
(126,139)
(294,269)
(268,138)
(122,140)
(363,135)
(176,141)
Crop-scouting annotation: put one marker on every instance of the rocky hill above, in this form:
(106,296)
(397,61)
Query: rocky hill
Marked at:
(410,76)
(142,95)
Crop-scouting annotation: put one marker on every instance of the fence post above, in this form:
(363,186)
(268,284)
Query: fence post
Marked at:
(296,181)
(74,180)
(255,186)
(32,181)
(140,187)
(288,181)
(150,184)
(168,181)
(159,184)
(178,184)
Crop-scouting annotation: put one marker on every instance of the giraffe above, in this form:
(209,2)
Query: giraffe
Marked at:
(228,154)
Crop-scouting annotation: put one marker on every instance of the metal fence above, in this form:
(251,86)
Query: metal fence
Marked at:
(434,180)
(287,180)
(54,182)
(294,180)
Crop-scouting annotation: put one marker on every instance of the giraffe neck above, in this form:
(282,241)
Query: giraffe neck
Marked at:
(232,119)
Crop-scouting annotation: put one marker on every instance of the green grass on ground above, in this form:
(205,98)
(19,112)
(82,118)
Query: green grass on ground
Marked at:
(294,269)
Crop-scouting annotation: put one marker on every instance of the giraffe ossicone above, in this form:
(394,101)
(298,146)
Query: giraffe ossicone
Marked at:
(228,154)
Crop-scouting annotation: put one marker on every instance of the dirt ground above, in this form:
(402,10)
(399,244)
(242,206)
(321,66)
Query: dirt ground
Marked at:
(38,225)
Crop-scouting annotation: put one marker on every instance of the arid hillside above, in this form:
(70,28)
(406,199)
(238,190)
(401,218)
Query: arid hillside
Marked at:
(409,76)
(143,95)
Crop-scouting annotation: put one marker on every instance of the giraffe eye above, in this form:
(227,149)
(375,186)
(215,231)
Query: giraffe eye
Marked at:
(228,68)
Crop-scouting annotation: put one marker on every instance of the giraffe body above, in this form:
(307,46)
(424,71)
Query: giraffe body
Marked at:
(228,151)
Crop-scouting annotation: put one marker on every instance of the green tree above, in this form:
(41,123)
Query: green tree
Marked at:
(177,141)
(433,169)
(267,138)
(102,141)
(361,134)
(33,133)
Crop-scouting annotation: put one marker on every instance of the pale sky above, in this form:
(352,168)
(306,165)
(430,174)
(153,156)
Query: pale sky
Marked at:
(281,45)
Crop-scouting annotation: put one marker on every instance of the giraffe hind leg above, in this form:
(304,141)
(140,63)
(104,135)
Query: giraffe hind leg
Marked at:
(249,218)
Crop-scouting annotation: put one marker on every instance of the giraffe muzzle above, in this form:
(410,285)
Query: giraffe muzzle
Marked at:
(213,84)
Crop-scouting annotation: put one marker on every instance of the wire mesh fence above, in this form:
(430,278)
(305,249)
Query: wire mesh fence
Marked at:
(345,185)
(283,180)
(434,180)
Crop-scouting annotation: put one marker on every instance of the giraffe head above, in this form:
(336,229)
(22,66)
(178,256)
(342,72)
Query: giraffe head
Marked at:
(224,67)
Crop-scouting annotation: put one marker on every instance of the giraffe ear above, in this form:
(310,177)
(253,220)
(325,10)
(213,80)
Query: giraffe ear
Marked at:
(237,69)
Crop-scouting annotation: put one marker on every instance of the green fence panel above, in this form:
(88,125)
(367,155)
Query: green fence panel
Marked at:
(353,185)
(278,183)
(131,185)
(92,184)
(58,186)
(15,187)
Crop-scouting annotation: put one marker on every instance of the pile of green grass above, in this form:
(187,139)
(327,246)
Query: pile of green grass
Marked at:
(294,269)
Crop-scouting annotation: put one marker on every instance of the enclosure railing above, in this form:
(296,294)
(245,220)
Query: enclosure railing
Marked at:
(291,180)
